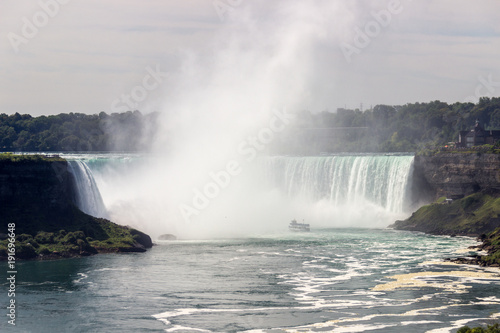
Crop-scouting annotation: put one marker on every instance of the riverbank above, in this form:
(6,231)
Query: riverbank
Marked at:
(491,245)
(476,215)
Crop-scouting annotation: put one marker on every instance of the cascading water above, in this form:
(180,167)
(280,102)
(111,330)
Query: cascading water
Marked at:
(88,198)
(380,179)
(326,191)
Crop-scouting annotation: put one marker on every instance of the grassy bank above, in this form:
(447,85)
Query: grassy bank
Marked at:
(473,215)
(85,235)
(495,328)
(492,245)
(18,158)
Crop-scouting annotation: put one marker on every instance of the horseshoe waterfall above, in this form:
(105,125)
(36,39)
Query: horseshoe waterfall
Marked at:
(382,180)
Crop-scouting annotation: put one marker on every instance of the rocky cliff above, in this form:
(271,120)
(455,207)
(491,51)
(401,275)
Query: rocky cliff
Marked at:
(37,195)
(35,180)
(455,175)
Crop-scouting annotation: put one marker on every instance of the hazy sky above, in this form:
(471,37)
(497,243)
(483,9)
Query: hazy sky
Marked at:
(90,56)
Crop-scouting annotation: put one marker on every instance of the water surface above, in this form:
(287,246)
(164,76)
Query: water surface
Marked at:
(329,280)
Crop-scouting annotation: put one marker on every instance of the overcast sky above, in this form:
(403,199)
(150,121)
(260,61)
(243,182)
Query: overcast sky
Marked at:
(90,56)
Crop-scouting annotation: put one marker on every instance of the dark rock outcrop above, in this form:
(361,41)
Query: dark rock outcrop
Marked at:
(141,239)
(490,244)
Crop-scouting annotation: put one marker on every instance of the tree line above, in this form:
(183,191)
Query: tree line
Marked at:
(129,131)
(383,128)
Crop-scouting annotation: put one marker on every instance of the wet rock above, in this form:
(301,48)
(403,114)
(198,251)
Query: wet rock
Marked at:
(167,237)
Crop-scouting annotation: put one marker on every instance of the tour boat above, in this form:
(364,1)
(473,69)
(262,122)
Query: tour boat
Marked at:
(298,227)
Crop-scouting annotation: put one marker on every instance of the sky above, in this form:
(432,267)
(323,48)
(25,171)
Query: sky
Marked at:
(89,56)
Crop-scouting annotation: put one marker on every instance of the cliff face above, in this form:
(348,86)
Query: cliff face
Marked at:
(28,182)
(456,175)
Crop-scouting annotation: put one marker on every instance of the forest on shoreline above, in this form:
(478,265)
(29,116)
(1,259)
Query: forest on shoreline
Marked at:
(77,132)
(383,128)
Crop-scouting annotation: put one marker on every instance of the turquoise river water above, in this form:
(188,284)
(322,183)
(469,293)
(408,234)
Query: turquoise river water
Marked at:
(329,280)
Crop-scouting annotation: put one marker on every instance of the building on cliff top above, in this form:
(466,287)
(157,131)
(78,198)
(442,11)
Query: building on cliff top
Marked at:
(477,136)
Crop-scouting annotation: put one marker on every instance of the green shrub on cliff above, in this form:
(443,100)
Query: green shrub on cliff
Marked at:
(45,237)
(121,238)
(75,243)
(83,235)
(25,251)
(17,158)
(489,329)
(492,245)
(473,215)
(441,200)
(24,238)
(468,201)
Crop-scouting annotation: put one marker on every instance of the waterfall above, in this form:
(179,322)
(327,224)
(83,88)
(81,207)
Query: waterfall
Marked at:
(326,191)
(88,197)
(380,179)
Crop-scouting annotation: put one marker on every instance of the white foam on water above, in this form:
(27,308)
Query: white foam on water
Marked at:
(420,322)
(361,328)
(82,276)
(185,329)
(428,280)
(307,286)
(314,276)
